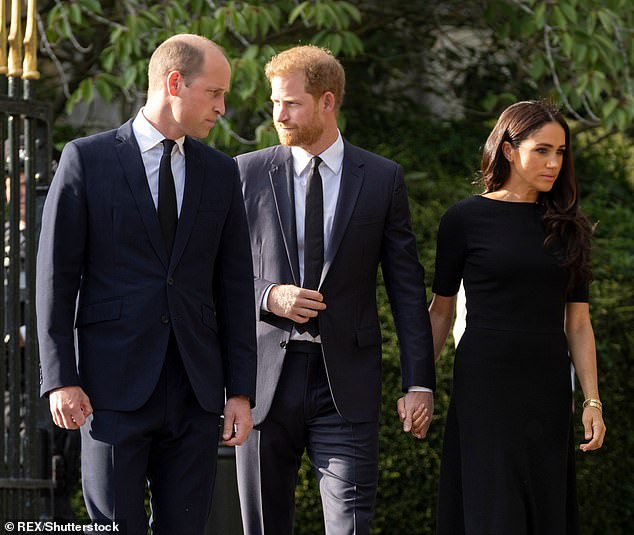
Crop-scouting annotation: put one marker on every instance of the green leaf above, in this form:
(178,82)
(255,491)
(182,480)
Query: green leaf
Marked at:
(537,68)
(104,89)
(207,27)
(197,6)
(591,22)
(251,52)
(560,19)
(332,18)
(92,5)
(129,76)
(115,35)
(86,89)
(74,99)
(66,29)
(299,10)
(566,43)
(606,16)
(569,11)
(320,15)
(351,10)
(152,17)
(609,107)
(621,118)
(604,42)
(74,13)
(351,44)
(596,85)
(107,58)
(111,79)
(334,42)
(582,83)
(539,16)
(489,102)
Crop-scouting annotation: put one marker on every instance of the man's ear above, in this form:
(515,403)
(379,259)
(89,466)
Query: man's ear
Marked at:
(173,82)
(328,101)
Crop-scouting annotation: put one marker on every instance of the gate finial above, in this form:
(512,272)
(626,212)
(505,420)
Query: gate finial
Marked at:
(30,43)
(3,38)
(15,40)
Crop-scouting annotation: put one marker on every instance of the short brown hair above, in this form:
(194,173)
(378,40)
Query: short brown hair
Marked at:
(183,52)
(322,71)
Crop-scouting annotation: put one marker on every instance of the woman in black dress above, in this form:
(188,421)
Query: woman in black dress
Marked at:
(522,248)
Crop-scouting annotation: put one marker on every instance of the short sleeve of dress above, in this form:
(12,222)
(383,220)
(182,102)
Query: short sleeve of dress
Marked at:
(579,294)
(450,253)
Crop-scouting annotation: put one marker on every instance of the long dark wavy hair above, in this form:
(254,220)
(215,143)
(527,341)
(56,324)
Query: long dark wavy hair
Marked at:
(568,231)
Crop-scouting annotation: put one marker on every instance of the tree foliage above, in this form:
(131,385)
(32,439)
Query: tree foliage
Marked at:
(453,58)
(425,79)
(582,50)
(102,48)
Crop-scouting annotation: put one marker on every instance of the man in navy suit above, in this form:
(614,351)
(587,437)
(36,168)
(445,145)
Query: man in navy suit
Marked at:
(323,216)
(144,258)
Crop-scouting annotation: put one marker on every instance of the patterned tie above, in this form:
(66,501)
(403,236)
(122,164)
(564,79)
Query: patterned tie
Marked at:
(313,239)
(167,211)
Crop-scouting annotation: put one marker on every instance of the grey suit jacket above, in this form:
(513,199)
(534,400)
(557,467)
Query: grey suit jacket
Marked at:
(371,228)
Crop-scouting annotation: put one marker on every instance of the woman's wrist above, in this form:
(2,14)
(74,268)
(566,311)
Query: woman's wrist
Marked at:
(593,402)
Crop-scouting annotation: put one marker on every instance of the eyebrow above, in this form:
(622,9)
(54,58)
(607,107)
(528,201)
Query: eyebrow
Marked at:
(550,146)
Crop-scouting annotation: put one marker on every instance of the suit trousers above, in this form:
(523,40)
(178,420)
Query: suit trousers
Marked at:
(344,455)
(170,442)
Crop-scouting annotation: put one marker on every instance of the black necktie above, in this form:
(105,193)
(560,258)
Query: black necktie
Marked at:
(167,211)
(313,239)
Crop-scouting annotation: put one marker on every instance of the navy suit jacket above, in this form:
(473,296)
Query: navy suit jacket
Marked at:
(371,228)
(104,275)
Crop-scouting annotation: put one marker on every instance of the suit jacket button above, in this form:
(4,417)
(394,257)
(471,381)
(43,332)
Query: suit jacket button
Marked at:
(283,344)
(165,319)
(170,281)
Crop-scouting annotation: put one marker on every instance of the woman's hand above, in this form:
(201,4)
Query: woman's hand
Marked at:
(594,427)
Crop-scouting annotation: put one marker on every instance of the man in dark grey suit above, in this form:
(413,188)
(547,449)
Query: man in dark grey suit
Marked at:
(323,215)
(144,249)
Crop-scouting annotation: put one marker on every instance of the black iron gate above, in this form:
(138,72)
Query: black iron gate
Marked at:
(26,484)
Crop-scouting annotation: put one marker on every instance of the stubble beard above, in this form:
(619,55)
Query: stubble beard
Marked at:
(300,136)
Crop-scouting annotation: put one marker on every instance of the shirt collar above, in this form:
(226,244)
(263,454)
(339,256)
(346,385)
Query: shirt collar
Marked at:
(149,137)
(332,157)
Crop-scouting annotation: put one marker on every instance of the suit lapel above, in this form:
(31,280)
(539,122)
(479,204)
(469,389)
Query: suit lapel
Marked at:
(129,156)
(281,175)
(352,176)
(194,175)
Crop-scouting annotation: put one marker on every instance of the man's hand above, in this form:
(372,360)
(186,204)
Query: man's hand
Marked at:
(415,411)
(69,406)
(294,303)
(238,421)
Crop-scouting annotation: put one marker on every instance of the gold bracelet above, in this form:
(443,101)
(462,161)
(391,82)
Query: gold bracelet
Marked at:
(593,403)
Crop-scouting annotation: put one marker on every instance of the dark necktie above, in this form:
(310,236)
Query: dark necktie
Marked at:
(313,239)
(167,211)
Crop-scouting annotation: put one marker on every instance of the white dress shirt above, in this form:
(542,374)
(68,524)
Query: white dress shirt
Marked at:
(149,140)
(330,171)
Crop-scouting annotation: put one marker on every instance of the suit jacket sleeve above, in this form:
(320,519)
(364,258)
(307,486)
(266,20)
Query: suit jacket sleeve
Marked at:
(235,299)
(59,268)
(405,284)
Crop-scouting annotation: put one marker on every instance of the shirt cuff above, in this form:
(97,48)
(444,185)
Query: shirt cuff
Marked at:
(265,298)
(419,389)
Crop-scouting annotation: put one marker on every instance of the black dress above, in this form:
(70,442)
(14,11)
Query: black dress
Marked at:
(508,457)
